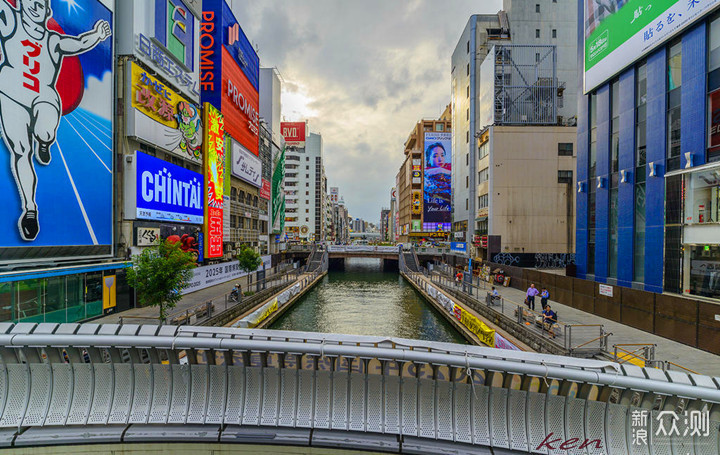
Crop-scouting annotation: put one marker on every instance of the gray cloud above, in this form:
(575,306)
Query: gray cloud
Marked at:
(371,69)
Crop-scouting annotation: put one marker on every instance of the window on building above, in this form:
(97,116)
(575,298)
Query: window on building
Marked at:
(467,204)
(233,194)
(713,82)
(467,137)
(640,117)
(468,91)
(674,80)
(467,181)
(613,182)
(484,150)
(307,202)
(554,33)
(483,175)
(537,57)
(307,158)
(307,193)
(467,46)
(614,125)
(467,159)
(592,171)
(468,69)
(565,176)
(565,149)
(439,127)
(483,201)
(537,33)
(307,176)
(537,7)
(307,184)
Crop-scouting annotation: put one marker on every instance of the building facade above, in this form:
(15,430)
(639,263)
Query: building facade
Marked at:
(648,163)
(520,23)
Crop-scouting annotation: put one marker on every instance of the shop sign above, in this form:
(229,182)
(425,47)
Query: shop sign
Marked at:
(605,290)
(151,52)
(214,168)
(245,165)
(162,117)
(293,133)
(460,247)
(416,226)
(416,202)
(147,236)
(167,192)
(211,275)
(266,190)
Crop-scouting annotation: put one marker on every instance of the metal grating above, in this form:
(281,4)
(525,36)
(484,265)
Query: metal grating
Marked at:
(595,427)
(481,421)
(271,376)
(615,428)
(498,417)
(253,396)
(306,387)
(555,419)
(142,395)
(103,394)
(444,406)
(409,388)
(340,416)
(180,390)
(426,408)
(575,422)
(374,406)
(216,394)
(463,416)
(660,445)
(323,392)
(536,421)
(198,393)
(40,386)
(357,402)
(517,420)
(123,393)
(392,405)
(17,395)
(61,394)
(235,395)
(162,391)
(82,394)
(288,397)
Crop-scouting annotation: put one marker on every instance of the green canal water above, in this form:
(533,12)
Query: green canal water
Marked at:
(364,300)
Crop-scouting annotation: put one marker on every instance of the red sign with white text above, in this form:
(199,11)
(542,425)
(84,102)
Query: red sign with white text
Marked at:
(265,191)
(240,105)
(294,133)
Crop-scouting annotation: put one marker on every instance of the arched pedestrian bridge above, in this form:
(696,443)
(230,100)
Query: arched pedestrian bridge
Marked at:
(82,384)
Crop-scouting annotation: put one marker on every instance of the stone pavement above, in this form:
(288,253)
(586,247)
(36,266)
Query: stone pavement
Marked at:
(217,293)
(697,360)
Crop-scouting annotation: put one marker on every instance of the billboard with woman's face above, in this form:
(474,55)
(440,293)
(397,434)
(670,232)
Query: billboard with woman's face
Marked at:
(438,178)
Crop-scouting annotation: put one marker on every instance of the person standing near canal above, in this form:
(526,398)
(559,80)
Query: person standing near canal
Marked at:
(544,296)
(530,296)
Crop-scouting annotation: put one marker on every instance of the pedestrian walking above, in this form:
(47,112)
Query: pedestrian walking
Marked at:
(530,296)
(544,296)
(458,277)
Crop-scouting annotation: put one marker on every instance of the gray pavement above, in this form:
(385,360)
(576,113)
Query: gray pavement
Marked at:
(697,360)
(217,293)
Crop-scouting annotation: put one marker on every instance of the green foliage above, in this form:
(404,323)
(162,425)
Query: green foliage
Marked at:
(158,275)
(248,259)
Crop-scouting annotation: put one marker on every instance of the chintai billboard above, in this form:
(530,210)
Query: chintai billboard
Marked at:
(56,152)
(437,205)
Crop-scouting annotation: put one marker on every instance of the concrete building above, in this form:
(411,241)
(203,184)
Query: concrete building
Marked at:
(410,183)
(305,190)
(521,23)
(385,225)
(648,151)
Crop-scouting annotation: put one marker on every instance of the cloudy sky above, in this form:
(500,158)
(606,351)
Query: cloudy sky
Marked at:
(362,73)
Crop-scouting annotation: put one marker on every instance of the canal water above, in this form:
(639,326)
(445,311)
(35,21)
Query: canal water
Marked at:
(364,300)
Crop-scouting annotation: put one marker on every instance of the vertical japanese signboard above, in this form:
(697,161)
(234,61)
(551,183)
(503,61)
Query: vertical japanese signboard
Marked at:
(214,170)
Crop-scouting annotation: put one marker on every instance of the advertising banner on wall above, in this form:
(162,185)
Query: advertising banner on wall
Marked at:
(278,194)
(166,192)
(245,165)
(230,73)
(211,275)
(214,168)
(164,35)
(334,194)
(56,112)
(294,133)
(416,202)
(266,190)
(161,117)
(438,182)
(619,32)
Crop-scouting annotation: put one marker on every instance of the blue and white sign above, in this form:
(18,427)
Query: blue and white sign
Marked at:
(167,192)
(460,247)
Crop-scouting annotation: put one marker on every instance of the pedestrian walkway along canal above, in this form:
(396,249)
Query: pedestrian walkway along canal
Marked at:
(364,300)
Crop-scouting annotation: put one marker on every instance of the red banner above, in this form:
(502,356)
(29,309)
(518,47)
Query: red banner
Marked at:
(240,105)
(714,129)
(294,133)
(214,170)
(265,191)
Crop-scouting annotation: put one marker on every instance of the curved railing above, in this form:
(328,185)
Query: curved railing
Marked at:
(104,382)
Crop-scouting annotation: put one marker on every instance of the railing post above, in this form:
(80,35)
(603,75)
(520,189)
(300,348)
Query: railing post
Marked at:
(569,337)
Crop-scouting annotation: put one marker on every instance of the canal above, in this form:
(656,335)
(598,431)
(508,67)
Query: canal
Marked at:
(364,300)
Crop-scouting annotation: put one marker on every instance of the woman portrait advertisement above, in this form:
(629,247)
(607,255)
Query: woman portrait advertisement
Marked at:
(438,170)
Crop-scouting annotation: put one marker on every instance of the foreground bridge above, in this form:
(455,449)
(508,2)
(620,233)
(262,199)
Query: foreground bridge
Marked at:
(82,384)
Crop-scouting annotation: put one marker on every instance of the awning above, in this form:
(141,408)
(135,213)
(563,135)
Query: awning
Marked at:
(481,218)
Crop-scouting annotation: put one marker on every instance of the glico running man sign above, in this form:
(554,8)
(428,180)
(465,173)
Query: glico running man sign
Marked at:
(56,167)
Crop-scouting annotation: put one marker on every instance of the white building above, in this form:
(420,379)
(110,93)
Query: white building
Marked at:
(521,23)
(305,191)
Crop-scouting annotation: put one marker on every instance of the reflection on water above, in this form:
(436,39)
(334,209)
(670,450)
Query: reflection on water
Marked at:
(363,300)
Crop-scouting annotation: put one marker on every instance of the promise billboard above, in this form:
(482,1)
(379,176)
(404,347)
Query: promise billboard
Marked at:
(56,123)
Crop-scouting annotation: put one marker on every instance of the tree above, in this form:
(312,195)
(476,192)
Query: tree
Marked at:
(249,260)
(158,275)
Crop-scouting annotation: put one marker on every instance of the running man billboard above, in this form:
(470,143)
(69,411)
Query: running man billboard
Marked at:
(56,104)
(437,161)
(619,32)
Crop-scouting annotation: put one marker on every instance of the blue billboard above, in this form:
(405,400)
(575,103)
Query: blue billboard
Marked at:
(56,110)
(460,247)
(167,192)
